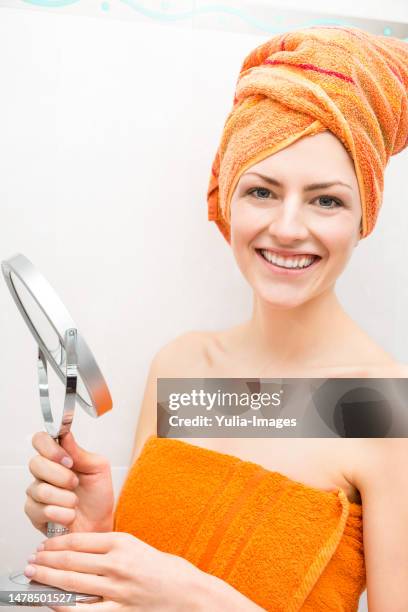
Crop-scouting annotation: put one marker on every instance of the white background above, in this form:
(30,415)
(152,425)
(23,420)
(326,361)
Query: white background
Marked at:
(108,130)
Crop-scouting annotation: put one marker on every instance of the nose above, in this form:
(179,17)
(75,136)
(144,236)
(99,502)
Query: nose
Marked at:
(288,223)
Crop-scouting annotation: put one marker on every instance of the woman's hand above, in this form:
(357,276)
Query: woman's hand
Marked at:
(77,494)
(128,573)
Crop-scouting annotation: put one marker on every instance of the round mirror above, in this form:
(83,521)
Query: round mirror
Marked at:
(48,321)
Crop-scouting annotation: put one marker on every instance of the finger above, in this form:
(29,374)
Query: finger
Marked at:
(73,582)
(82,542)
(103,606)
(70,560)
(58,475)
(47,447)
(32,510)
(46,493)
(40,514)
(84,461)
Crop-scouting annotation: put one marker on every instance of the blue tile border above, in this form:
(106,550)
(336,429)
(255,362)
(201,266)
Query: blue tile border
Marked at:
(229,15)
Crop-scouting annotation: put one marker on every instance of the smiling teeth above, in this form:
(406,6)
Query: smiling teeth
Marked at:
(288,262)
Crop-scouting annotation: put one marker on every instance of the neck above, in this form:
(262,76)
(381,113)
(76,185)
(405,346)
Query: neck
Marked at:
(302,335)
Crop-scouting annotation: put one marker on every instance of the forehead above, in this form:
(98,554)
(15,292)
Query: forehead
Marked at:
(316,157)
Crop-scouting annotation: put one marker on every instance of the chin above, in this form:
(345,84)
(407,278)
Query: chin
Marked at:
(280,302)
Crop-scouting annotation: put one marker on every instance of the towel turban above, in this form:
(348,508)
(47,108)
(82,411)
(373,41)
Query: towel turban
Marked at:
(300,83)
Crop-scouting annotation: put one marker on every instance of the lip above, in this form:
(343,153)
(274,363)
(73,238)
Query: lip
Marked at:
(286,271)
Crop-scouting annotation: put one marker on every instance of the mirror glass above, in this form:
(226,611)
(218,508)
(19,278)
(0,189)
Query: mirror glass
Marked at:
(41,324)
(46,334)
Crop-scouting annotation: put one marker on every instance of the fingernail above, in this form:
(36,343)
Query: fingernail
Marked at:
(67,461)
(29,571)
(31,559)
(40,547)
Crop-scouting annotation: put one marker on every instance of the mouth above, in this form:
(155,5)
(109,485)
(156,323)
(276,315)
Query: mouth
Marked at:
(288,266)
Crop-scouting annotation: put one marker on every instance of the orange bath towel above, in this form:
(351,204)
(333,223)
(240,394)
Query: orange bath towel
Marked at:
(303,82)
(284,545)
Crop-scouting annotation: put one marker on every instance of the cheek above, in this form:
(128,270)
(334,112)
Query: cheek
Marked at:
(339,239)
(244,230)
(245,224)
(338,242)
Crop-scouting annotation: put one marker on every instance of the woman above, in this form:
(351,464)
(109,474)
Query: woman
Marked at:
(295,185)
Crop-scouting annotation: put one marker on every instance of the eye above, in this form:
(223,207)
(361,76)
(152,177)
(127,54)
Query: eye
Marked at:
(259,189)
(335,200)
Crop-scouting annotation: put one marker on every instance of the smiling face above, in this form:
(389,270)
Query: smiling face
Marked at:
(297,219)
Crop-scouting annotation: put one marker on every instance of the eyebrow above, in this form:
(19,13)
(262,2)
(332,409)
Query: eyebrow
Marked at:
(311,187)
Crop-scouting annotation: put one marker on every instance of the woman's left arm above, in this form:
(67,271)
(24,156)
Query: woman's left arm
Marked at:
(383,485)
(131,575)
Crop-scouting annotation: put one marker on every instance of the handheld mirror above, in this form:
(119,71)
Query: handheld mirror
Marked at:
(60,345)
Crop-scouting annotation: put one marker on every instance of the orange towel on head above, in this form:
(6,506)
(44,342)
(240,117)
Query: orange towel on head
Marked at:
(343,79)
(284,545)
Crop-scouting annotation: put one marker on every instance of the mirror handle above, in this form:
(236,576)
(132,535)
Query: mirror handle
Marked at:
(55,529)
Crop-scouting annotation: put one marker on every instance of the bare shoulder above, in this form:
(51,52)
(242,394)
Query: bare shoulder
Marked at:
(396,370)
(402,370)
(387,369)
(181,357)
(184,355)
(377,461)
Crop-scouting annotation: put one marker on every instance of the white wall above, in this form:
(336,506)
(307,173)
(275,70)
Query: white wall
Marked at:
(108,131)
